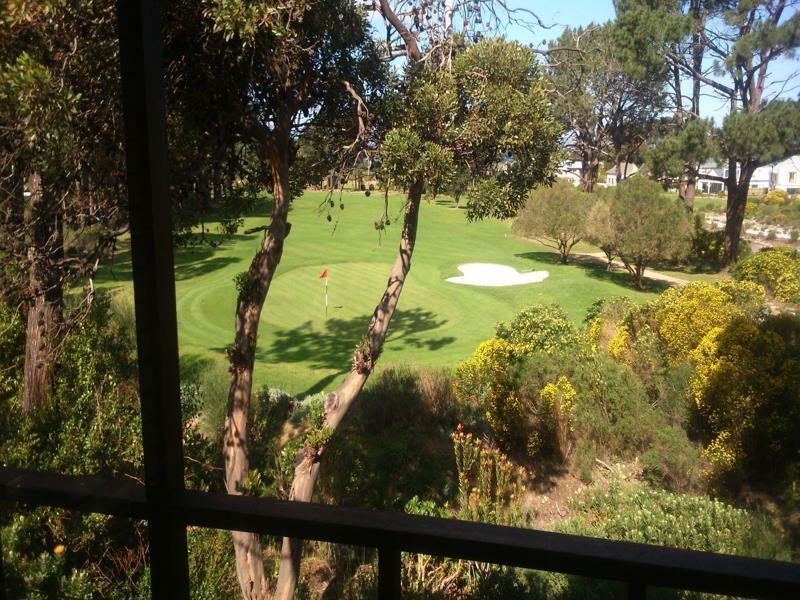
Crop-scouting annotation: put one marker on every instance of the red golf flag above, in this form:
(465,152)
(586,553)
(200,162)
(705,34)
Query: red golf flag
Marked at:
(324,274)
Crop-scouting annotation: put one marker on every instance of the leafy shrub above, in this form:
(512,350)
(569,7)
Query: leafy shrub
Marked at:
(558,400)
(609,409)
(708,247)
(746,392)
(485,382)
(777,269)
(538,328)
(395,442)
(603,318)
(645,515)
(673,462)
(490,490)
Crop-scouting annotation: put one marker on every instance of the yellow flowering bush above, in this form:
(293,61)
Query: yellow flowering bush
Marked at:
(777,269)
(558,402)
(618,344)
(721,453)
(485,380)
(685,315)
(539,328)
(746,391)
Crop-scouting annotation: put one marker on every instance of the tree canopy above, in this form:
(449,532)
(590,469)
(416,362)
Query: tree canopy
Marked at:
(647,226)
(555,216)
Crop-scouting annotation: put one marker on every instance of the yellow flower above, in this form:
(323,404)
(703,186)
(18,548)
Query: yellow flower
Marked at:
(59,550)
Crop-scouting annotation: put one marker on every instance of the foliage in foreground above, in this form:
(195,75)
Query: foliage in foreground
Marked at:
(91,427)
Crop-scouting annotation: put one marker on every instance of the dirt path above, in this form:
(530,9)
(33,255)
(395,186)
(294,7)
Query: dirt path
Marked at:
(600,258)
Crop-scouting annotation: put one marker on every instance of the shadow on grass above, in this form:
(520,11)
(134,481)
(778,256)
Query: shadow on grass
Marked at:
(190,260)
(596,269)
(333,348)
(193,366)
(198,260)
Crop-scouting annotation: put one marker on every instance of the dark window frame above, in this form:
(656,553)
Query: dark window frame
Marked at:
(169,508)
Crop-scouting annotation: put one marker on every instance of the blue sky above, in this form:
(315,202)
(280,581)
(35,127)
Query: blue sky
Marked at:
(583,12)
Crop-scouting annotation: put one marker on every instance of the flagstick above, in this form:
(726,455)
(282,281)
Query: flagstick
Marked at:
(326,298)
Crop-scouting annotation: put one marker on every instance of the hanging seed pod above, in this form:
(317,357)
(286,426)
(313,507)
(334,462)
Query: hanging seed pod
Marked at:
(341,206)
(330,218)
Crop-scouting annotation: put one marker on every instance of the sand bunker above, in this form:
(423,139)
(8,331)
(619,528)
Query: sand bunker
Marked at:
(490,275)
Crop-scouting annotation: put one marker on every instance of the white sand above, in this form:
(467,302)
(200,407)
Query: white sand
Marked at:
(491,275)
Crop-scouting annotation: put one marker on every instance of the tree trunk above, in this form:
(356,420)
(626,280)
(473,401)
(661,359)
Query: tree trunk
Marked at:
(639,276)
(339,402)
(689,189)
(590,165)
(734,211)
(253,289)
(45,296)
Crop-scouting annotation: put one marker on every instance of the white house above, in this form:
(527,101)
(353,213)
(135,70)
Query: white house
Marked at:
(570,170)
(710,186)
(784,175)
(626,169)
(781,175)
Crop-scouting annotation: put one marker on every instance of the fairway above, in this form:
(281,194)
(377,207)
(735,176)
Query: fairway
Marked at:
(437,323)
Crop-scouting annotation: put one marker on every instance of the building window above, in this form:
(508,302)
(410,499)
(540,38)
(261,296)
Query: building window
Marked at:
(792,176)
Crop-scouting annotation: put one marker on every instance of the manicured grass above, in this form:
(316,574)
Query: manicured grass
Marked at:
(437,323)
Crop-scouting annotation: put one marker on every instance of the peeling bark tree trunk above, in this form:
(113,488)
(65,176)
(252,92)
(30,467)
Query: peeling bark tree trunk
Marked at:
(253,289)
(45,291)
(339,402)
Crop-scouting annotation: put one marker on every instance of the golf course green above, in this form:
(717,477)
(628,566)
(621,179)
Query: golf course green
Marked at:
(438,323)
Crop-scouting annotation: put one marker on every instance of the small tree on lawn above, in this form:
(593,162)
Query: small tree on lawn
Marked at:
(648,227)
(555,217)
(600,228)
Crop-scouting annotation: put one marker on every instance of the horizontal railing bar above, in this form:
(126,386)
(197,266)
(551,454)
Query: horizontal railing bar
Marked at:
(656,566)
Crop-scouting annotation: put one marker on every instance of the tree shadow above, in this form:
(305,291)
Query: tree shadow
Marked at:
(596,269)
(199,259)
(193,366)
(332,349)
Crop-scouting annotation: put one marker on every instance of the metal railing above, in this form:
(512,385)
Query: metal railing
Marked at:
(638,565)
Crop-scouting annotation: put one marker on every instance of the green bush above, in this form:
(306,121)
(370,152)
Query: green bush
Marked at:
(395,443)
(611,411)
(90,426)
(708,247)
(673,462)
(485,381)
(645,515)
